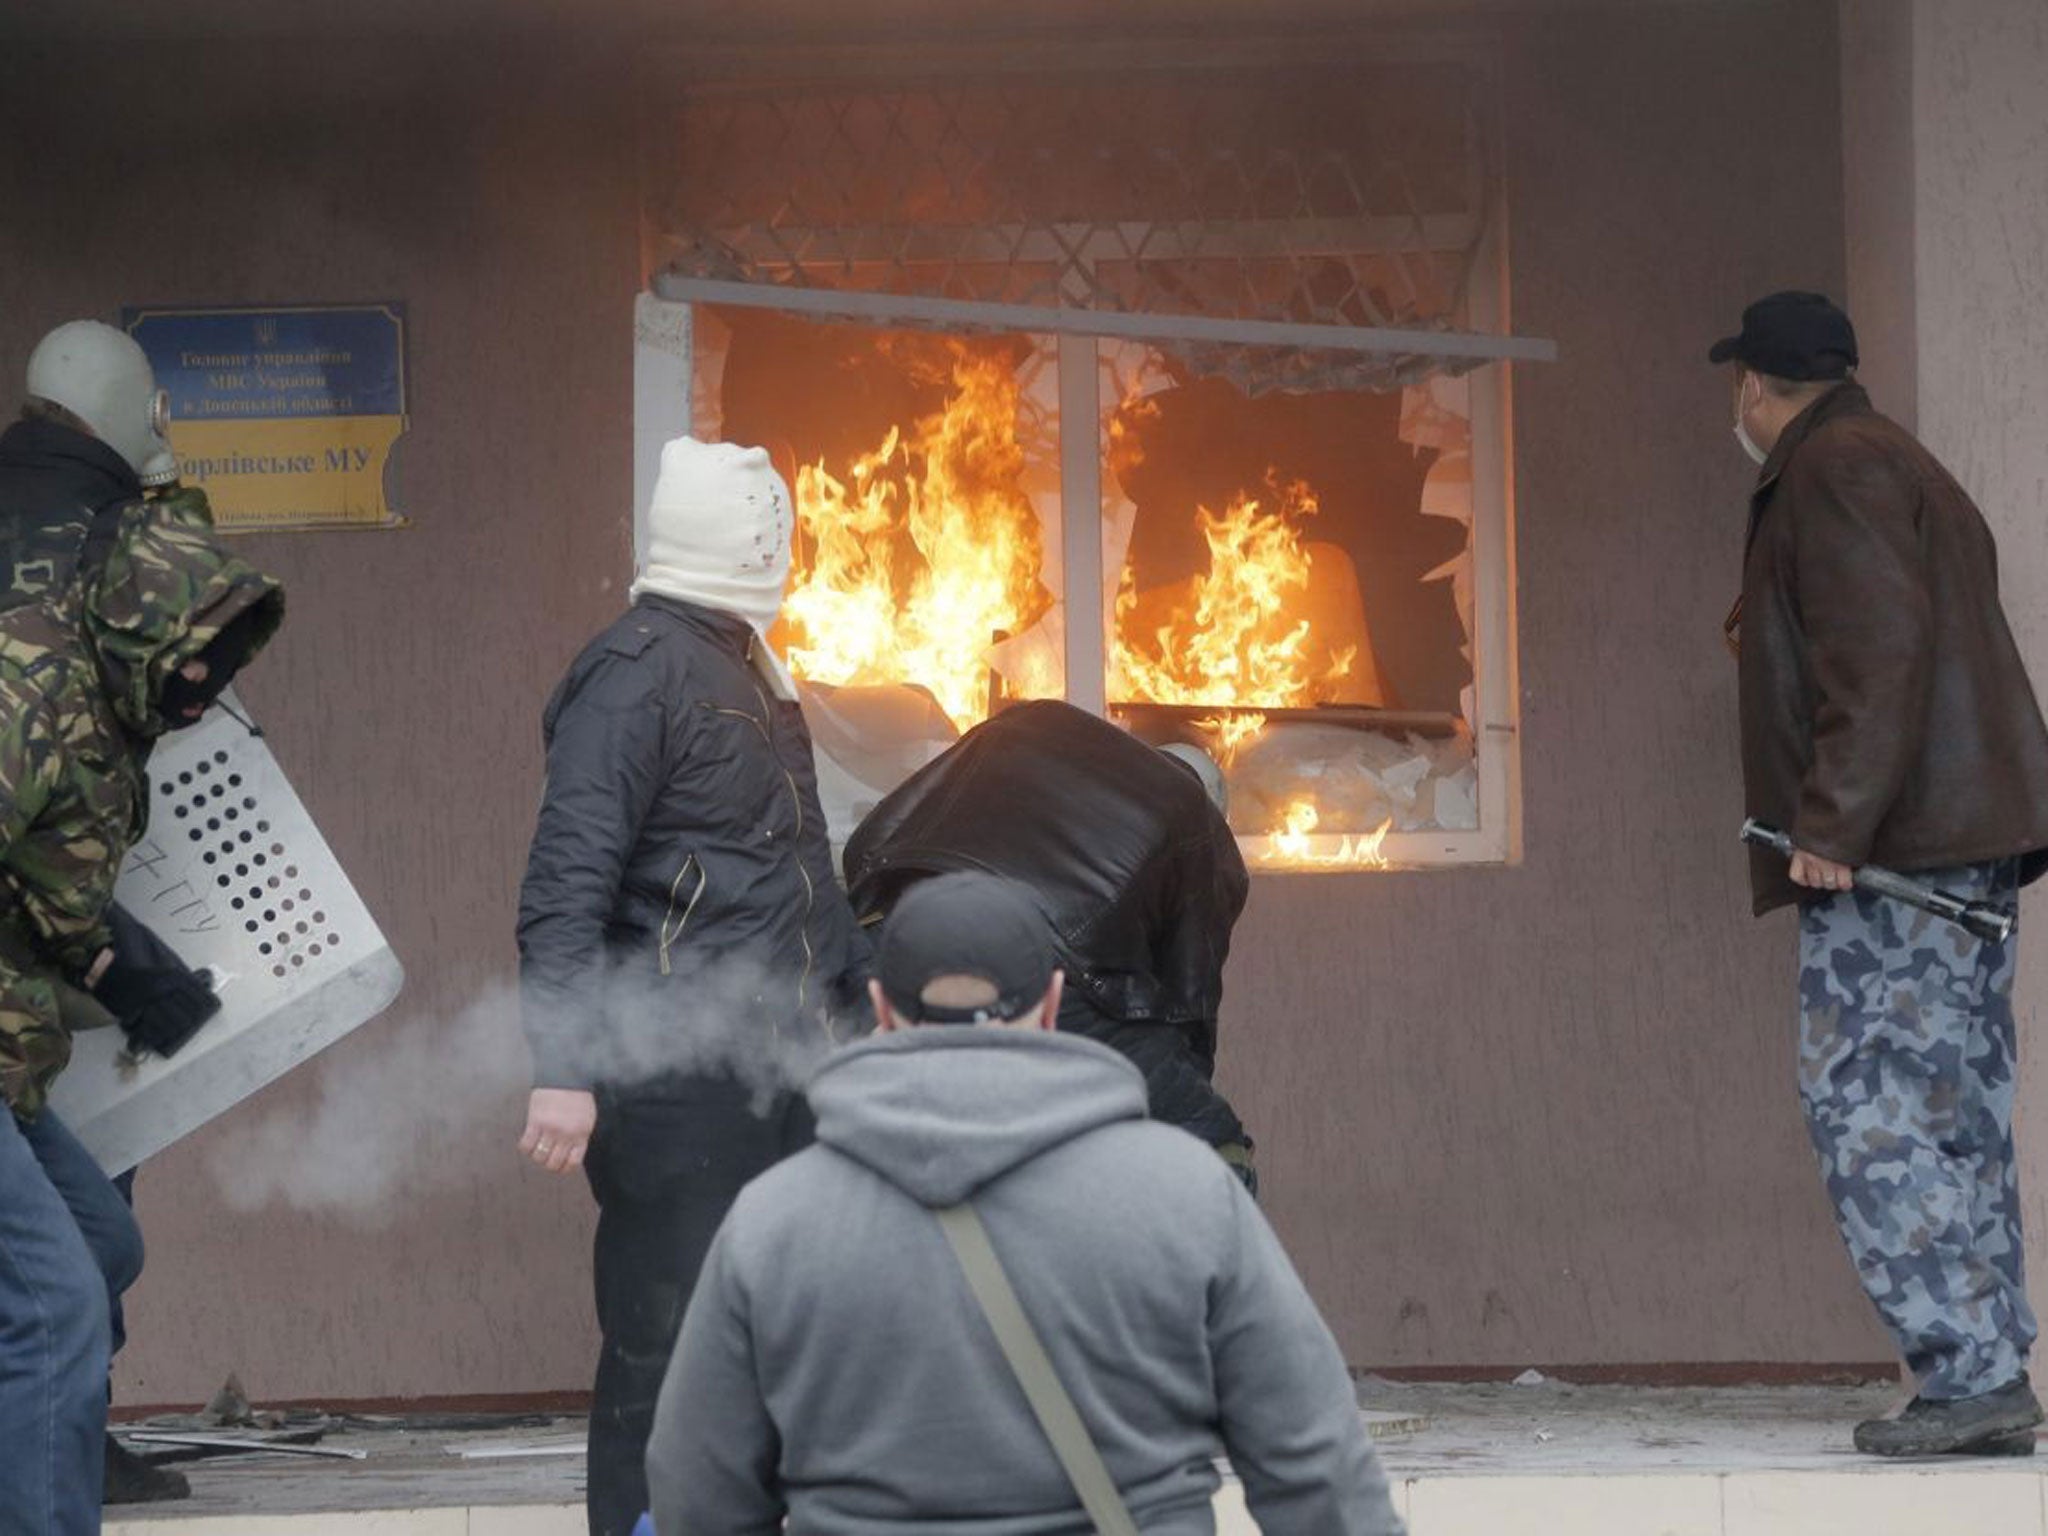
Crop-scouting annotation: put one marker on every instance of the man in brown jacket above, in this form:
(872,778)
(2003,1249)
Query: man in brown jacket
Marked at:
(1887,719)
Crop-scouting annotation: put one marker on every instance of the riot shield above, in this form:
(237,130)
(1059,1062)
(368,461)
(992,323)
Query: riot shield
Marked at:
(235,877)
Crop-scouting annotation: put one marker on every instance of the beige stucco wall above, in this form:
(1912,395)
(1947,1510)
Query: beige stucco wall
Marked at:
(1537,1115)
(1878,182)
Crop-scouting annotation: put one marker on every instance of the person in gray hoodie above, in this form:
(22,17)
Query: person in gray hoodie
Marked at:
(834,1368)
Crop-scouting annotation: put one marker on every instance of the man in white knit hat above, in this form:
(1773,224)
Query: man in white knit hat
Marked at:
(685,947)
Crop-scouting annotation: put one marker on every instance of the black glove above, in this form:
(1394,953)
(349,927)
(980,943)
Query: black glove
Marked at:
(159,1010)
(159,1001)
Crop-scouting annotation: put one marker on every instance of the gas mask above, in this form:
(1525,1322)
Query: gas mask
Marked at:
(101,376)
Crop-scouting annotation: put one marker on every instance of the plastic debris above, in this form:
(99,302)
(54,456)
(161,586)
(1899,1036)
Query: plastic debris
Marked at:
(1357,778)
(229,1407)
(296,1443)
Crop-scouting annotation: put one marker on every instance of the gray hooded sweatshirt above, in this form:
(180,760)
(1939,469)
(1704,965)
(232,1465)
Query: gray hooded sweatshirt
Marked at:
(834,1367)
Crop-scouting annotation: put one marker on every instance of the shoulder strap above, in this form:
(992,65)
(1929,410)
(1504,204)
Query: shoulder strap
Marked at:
(1050,1401)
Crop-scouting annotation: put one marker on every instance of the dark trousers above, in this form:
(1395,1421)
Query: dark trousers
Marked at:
(124,1186)
(665,1170)
(1178,1082)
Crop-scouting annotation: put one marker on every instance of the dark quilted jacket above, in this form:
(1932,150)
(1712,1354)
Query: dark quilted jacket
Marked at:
(680,913)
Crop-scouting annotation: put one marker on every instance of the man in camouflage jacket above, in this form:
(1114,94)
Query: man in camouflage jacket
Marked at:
(57,473)
(137,641)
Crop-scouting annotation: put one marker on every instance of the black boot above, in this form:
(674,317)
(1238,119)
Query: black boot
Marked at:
(2019,1443)
(1989,1424)
(131,1480)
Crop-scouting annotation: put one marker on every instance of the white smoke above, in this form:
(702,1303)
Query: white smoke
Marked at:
(398,1112)
(390,1111)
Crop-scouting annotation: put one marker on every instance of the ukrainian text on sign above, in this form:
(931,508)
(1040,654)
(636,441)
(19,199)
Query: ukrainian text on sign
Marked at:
(285,416)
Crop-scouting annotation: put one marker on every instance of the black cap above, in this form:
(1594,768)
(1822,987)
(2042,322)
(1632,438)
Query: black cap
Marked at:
(966,925)
(1792,336)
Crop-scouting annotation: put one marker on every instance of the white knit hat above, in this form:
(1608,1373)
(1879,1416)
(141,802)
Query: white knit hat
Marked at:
(718,530)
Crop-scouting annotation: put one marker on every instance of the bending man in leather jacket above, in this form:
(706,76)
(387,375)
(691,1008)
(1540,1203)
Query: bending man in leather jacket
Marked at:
(1134,865)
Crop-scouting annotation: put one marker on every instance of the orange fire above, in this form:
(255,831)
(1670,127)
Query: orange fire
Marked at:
(914,558)
(1244,636)
(910,565)
(1234,636)
(1230,732)
(1293,843)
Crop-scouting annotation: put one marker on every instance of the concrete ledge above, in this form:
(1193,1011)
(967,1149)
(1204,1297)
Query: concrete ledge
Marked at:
(1489,1461)
(1981,1500)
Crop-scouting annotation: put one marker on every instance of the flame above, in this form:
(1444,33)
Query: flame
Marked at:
(914,558)
(912,561)
(1232,640)
(1230,732)
(1235,640)
(1292,842)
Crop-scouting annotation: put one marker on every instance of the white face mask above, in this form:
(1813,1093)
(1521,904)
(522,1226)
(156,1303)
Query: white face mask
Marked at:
(1749,444)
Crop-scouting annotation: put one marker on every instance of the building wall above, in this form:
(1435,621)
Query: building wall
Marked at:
(1878,182)
(1537,1115)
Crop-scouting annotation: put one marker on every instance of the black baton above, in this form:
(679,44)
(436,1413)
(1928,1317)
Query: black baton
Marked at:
(1990,923)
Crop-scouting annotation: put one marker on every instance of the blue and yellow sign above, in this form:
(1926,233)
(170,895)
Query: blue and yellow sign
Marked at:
(287,416)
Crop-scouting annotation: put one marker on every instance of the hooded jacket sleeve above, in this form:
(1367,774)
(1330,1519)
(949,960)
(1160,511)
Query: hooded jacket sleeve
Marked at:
(1868,623)
(713,1455)
(33,1045)
(1289,1416)
(606,761)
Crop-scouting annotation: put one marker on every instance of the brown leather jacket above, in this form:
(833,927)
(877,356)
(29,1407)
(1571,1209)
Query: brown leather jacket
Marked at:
(1886,714)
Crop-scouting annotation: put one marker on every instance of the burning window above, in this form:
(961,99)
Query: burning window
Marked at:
(1294,595)
(925,579)
(1030,462)
(925,472)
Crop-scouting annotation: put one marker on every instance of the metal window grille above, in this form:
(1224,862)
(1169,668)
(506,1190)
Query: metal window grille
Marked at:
(1313,228)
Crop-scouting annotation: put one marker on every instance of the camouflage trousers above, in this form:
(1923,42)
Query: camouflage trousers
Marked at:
(1906,1063)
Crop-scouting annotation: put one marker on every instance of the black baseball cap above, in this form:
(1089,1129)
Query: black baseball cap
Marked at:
(1792,336)
(966,925)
